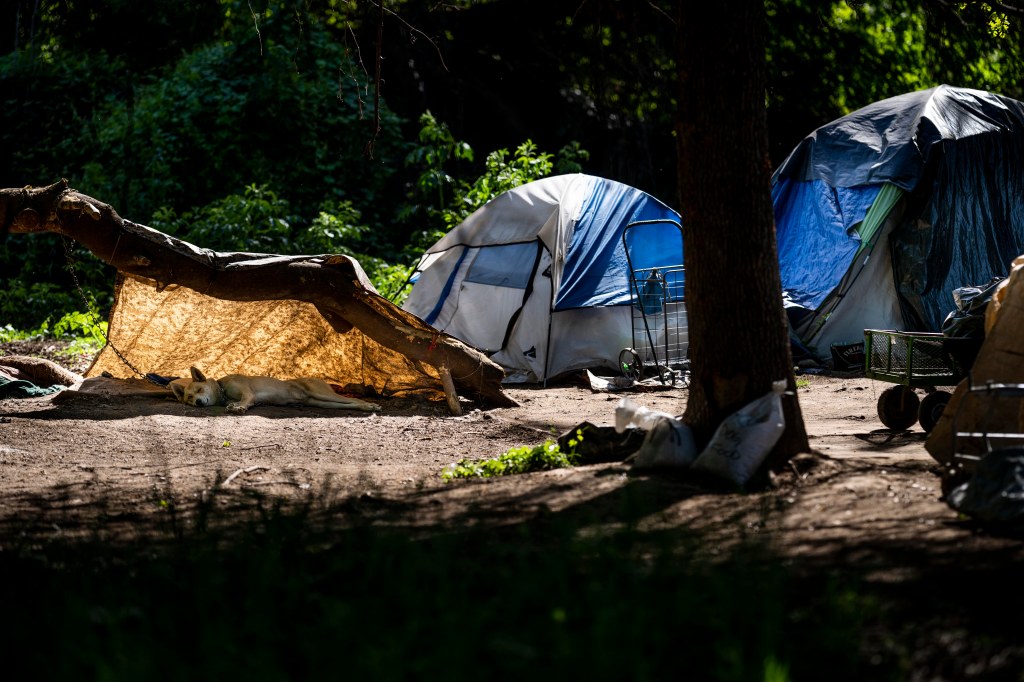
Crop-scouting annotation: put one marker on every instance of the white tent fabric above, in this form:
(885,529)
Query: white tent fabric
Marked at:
(539,277)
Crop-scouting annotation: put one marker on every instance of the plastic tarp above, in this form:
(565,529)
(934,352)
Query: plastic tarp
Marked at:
(958,156)
(893,139)
(971,226)
(166,329)
(815,218)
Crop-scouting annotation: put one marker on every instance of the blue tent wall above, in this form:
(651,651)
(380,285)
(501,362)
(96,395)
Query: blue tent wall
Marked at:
(596,272)
(815,218)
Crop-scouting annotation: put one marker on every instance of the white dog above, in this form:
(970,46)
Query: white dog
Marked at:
(246,391)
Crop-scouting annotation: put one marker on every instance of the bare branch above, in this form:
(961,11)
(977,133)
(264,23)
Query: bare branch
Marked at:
(416,30)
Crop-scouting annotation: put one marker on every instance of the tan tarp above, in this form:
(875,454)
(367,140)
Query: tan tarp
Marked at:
(1000,360)
(166,331)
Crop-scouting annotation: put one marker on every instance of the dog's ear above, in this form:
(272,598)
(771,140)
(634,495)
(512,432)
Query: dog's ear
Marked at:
(178,389)
(197,375)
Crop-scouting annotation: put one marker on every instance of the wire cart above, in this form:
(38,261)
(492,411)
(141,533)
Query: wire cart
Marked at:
(660,334)
(915,360)
(971,445)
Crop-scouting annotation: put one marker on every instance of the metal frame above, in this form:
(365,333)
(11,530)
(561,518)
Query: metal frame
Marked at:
(667,284)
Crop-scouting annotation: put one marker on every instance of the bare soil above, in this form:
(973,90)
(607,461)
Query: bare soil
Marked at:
(863,488)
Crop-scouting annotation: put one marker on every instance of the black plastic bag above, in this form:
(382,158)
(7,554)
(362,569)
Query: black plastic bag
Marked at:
(995,492)
(968,320)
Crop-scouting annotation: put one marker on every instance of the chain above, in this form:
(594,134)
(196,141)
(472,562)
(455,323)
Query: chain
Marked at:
(91,306)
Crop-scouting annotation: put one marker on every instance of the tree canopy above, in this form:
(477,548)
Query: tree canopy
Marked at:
(364,128)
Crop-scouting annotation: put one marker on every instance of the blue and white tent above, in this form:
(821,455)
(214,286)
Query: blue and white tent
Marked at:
(538,277)
(882,213)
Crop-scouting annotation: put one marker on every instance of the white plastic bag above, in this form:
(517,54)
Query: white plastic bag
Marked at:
(742,442)
(668,441)
(668,444)
(628,413)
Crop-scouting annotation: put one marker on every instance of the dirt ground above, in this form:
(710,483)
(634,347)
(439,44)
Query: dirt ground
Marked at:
(864,492)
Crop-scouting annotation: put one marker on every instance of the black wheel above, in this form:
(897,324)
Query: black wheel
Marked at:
(897,407)
(931,409)
(631,365)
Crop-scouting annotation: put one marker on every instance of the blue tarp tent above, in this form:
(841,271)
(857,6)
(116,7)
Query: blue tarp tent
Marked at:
(882,213)
(538,277)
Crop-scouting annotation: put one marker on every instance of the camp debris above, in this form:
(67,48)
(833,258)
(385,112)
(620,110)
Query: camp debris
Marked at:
(538,278)
(994,493)
(988,400)
(882,213)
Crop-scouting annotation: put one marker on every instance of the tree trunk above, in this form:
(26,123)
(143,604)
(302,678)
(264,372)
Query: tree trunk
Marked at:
(739,340)
(331,284)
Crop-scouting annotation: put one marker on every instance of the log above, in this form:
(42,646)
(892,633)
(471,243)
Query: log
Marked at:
(332,284)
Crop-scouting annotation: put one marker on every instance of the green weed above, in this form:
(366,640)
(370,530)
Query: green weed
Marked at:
(85,332)
(518,460)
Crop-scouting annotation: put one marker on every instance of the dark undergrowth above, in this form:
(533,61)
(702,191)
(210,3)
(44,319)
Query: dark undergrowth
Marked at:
(264,592)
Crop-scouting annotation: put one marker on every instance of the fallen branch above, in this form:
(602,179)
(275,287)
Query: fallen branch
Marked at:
(239,472)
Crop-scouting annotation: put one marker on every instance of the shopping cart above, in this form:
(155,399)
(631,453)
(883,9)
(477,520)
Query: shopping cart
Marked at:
(658,306)
(915,360)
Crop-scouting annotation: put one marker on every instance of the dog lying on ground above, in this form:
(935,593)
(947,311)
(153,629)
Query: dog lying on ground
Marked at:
(238,393)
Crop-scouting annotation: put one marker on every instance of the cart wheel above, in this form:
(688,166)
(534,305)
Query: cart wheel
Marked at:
(931,409)
(897,407)
(630,364)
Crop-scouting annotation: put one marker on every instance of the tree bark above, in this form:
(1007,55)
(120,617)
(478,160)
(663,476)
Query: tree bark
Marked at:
(739,339)
(331,284)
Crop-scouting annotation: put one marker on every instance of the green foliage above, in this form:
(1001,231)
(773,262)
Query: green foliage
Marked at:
(501,173)
(85,331)
(390,279)
(518,460)
(437,149)
(336,229)
(827,59)
(45,129)
(259,221)
(570,159)
(37,287)
(23,304)
(256,221)
(9,333)
(443,200)
(240,116)
(78,325)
